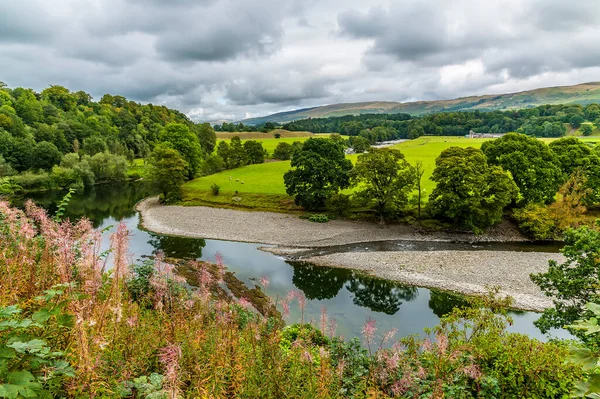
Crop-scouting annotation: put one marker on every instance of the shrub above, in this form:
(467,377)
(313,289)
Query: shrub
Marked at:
(339,204)
(318,218)
(536,222)
(277,135)
(215,189)
(283,151)
(31,181)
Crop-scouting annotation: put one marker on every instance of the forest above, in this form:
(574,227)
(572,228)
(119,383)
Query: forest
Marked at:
(542,121)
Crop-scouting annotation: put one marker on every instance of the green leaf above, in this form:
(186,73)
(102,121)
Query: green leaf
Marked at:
(583,357)
(33,346)
(594,384)
(7,353)
(9,391)
(41,316)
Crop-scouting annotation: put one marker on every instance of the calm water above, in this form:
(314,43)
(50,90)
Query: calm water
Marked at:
(349,297)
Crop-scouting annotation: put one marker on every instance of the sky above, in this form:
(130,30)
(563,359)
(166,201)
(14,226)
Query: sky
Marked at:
(235,59)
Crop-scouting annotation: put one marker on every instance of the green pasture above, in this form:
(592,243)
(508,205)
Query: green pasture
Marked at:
(270,143)
(267,178)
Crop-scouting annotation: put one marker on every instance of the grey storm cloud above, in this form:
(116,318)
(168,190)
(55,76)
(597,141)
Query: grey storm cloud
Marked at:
(216,59)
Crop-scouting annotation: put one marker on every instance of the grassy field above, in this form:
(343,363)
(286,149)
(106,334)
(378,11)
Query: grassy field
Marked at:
(268,141)
(261,186)
(267,179)
(261,135)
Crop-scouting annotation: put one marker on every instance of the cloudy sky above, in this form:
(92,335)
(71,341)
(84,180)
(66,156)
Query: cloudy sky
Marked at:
(232,59)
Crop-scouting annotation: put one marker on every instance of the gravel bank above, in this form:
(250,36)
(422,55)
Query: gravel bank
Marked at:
(289,230)
(467,272)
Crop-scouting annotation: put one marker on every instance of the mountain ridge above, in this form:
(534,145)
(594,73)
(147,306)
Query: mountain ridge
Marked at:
(583,93)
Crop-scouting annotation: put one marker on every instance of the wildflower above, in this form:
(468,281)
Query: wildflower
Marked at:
(472,371)
(332,327)
(442,343)
(264,281)
(169,356)
(324,320)
(245,303)
(307,356)
(369,329)
(286,308)
(390,335)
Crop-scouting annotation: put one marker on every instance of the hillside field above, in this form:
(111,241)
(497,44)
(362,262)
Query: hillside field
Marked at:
(266,179)
(268,141)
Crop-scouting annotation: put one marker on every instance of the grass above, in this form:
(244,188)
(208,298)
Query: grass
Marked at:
(263,186)
(269,142)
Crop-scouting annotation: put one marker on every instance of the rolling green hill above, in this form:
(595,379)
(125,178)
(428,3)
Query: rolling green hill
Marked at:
(584,93)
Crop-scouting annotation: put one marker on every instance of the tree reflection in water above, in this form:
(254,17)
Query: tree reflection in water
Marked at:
(177,247)
(442,302)
(380,295)
(318,282)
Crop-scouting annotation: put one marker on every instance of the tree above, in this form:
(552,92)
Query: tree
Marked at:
(573,154)
(283,151)
(586,129)
(534,167)
(255,152)
(108,167)
(179,137)
(224,152)
(167,172)
(237,156)
(419,172)
(5,168)
(573,283)
(207,137)
(469,192)
(60,97)
(385,180)
(94,145)
(360,144)
(46,155)
(320,169)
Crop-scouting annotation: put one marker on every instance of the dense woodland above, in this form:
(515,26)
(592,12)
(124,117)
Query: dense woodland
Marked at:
(542,121)
(58,138)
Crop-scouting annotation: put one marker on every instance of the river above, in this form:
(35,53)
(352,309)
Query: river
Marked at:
(349,297)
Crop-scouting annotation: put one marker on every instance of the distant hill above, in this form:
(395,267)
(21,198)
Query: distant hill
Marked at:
(584,93)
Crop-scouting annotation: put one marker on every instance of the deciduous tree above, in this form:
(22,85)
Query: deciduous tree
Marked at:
(179,137)
(469,193)
(385,180)
(167,172)
(320,169)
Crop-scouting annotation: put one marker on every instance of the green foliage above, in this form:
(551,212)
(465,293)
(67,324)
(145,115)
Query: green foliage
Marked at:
(384,179)
(469,192)
(62,205)
(215,189)
(213,164)
(206,136)
(108,167)
(145,387)
(573,283)
(30,181)
(255,152)
(587,357)
(360,144)
(536,221)
(533,166)
(31,365)
(60,97)
(586,129)
(179,137)
(283,151)
(318,218)
(277,135)
(320,170)
(5,168)
(339,204)
(167,172)
(45,156)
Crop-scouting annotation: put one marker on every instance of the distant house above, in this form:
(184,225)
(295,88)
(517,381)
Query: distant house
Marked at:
(473,135)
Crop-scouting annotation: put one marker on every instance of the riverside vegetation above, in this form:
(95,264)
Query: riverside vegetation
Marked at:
(76,322)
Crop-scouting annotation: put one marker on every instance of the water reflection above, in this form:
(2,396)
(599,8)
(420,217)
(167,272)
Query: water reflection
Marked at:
(350,297)
(177,247)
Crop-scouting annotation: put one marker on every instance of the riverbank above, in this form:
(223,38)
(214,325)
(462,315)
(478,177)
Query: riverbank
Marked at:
(466,272)
(463,271)
(289,230)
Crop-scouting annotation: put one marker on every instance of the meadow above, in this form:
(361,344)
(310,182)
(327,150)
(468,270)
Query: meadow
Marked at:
(261,186)
(268,140)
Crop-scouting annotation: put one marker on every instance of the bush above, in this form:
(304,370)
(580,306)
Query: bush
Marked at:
(31,181)
(536,222)
(283,151)
(277,135)
(339,204)
(318,218)
(215,189)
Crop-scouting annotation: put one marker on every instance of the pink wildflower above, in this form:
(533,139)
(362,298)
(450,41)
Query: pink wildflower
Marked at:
(264,281)
(390,335)
(286,308)
(369,329)
(324,320)
(442,343)
(472,371)
(245,303)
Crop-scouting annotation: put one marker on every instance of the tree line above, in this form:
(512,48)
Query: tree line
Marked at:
(59,138)
(473,186)
(542,121)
